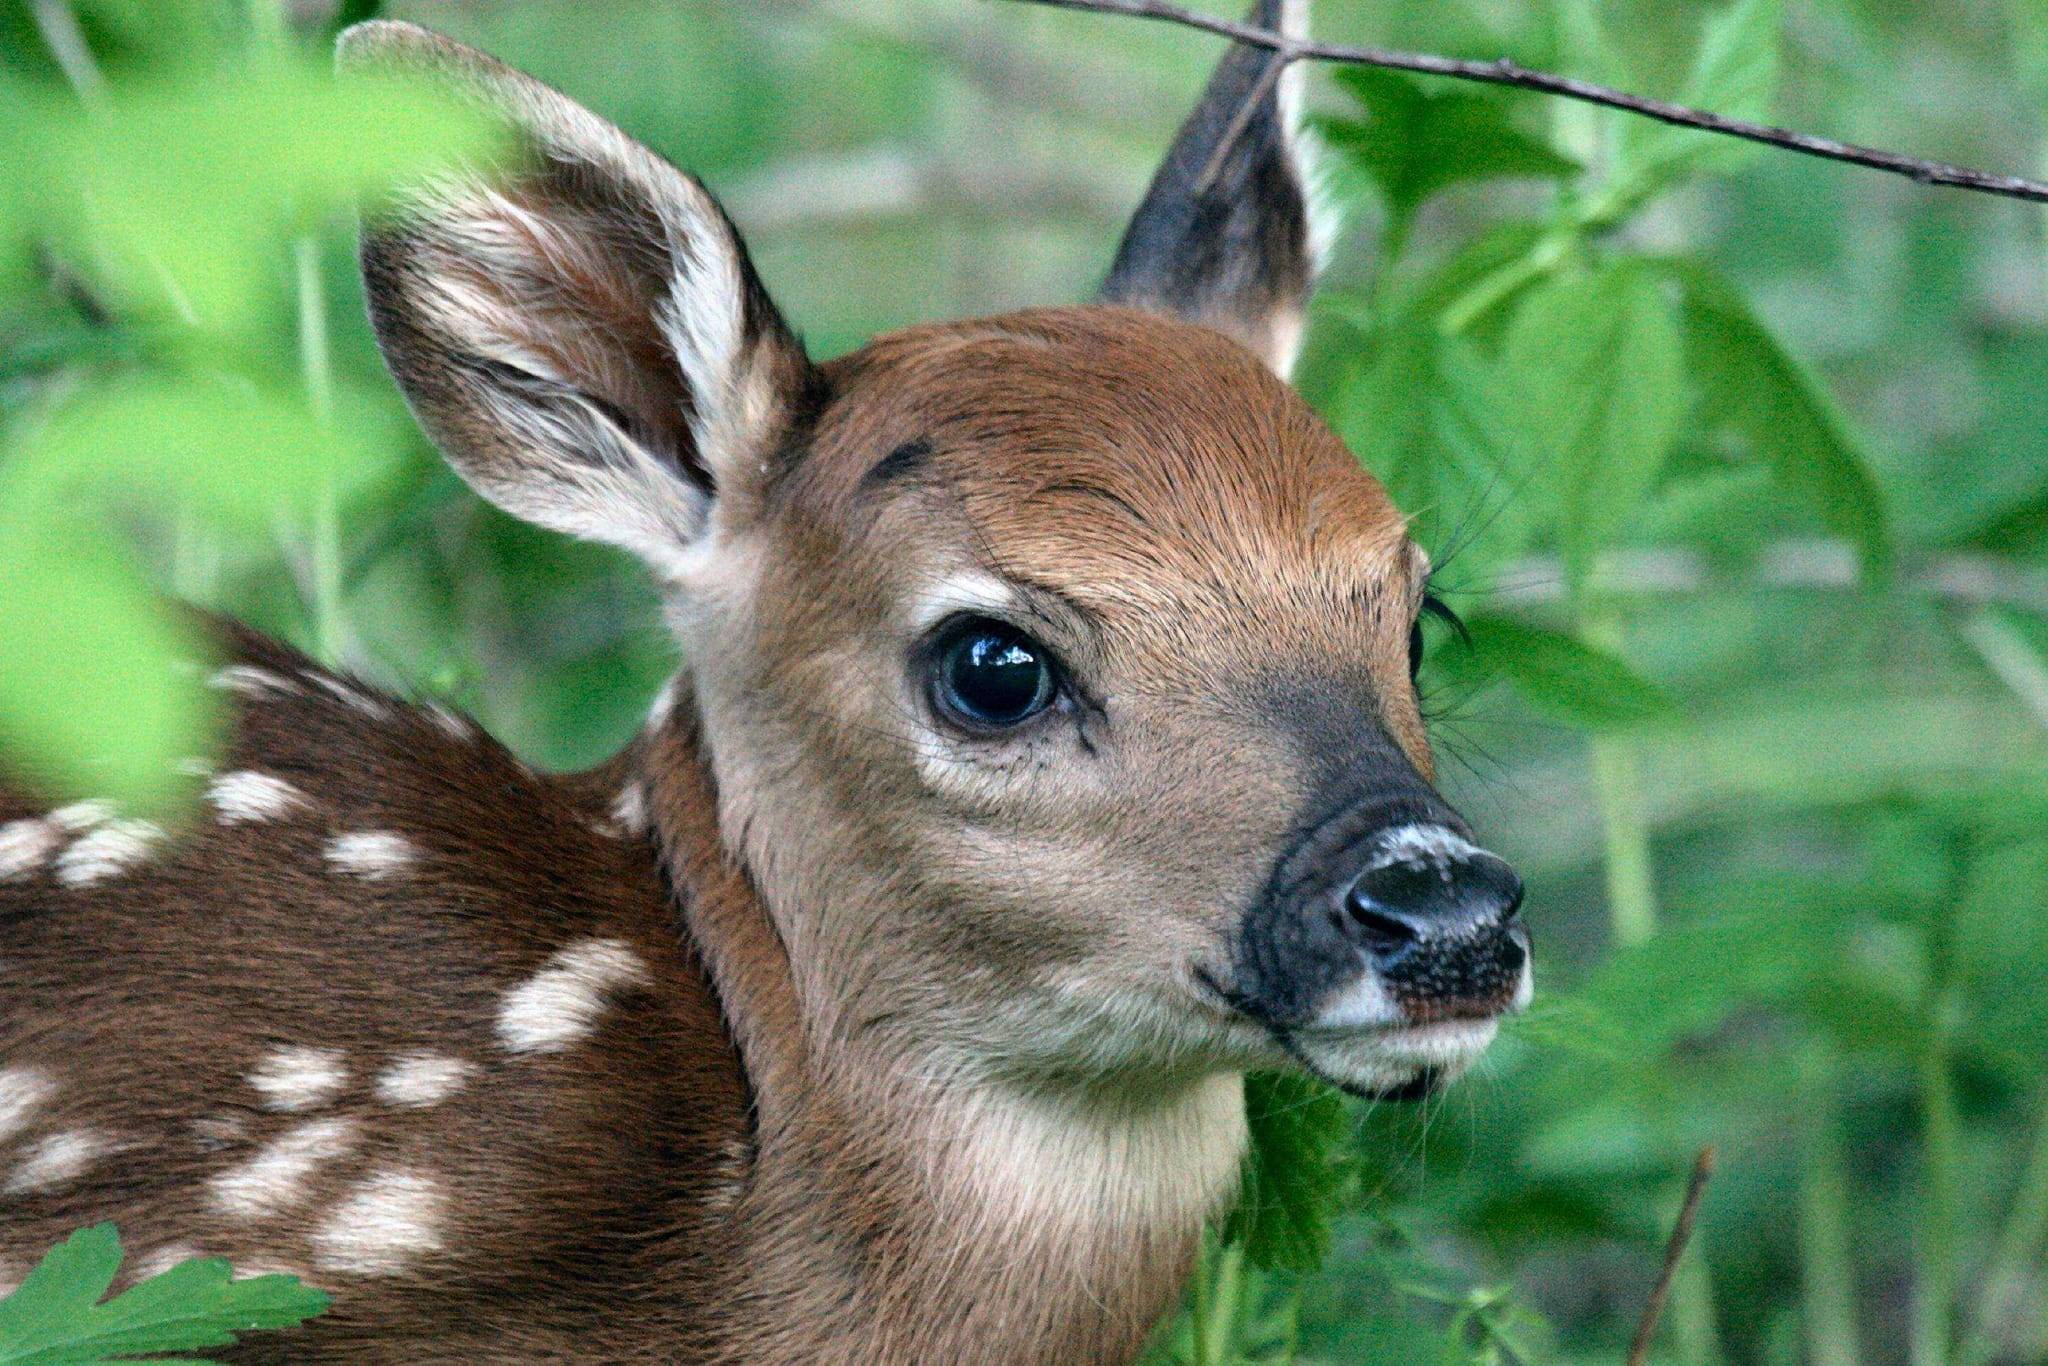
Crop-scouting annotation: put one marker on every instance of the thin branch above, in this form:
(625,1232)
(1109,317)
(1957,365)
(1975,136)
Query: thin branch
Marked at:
(1510,73)
(1674,1253)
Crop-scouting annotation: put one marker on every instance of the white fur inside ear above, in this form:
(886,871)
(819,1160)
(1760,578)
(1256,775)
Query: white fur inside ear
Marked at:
(580,334)
(1311,158)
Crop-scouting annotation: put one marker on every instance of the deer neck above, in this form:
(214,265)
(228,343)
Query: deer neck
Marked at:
(958,1213)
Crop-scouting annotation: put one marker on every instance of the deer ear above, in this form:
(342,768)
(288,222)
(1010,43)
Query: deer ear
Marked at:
(1225,236)
(576,322)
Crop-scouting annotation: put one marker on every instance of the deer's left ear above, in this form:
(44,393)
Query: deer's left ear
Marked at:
(1225,236)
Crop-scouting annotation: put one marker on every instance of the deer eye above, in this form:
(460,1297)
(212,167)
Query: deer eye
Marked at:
(988,675)
(1432,606)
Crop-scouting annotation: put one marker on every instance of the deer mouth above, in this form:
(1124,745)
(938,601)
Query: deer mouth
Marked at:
(1393,1053)
(1390,1062)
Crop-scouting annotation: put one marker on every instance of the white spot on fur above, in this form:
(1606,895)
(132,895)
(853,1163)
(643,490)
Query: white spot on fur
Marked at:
(664,703)
(371,853)
(382,1225)
(275,1178)
(108,851)
(25,846)
(82,816)
(293,1078)
(453,724)
(247,680)
(164,1259)
(23,1091)
(57,1160)
(560,1004)
(248,796)
(629,811)
(421,1079)
(365,702)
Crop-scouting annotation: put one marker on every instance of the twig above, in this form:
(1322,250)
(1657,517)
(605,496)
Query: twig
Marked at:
(1674,1253)
(1509,73)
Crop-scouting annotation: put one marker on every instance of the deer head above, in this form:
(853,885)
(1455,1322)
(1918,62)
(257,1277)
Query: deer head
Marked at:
(1055,670)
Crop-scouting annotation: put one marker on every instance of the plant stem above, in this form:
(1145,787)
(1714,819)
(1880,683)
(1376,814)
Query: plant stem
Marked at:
(1492,290)
(1617,779)
(1935,1285)
(2019,1244)
(317,365)
(1199,1309)
(1826,1265)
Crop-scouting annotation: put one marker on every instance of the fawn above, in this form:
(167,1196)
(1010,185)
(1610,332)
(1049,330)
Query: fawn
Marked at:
(1046,754)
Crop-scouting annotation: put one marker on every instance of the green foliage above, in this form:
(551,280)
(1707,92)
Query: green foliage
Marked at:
(1598,365)
(1415,141)
(1296,1175)
(60,1314)
(165,206)
(1562,678)
(1433,417)
(1751,385)
(1735,73)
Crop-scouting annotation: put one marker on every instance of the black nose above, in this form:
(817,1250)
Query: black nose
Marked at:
(1436,913)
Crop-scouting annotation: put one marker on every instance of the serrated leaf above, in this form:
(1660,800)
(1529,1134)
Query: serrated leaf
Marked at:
(1750,383)
(1734,73)
(1563,678)
(1414,141)
(57,1315)
(1434,419)
(1295,1172)
(1598,365)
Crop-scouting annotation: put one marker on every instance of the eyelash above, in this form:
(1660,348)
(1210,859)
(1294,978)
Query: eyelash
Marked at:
(1434,606)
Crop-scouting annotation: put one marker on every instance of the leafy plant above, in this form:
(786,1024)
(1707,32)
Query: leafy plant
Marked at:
(60,1314)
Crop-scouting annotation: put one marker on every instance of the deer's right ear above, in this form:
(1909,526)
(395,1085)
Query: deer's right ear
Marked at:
(576,324)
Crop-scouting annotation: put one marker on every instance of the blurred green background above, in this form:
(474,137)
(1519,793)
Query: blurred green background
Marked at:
(1736,461)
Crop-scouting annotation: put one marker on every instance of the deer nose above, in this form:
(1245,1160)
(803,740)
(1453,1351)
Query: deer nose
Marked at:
(1437,913)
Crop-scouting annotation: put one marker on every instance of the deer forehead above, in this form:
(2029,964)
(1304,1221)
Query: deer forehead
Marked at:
(1131,463)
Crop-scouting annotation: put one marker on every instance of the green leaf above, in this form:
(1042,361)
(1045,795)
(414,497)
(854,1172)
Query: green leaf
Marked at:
(1597,362)
(1435,420)
(92,699)
(1751,384)
(1414,141)
(1295,1173)
(1735,73)
(57,1315)
(179,192)
(1564,679)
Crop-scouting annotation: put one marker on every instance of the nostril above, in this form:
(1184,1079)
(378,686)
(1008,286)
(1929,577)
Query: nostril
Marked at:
(1384,933)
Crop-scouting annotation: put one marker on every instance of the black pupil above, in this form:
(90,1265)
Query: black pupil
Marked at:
(1415,648)
(995,675)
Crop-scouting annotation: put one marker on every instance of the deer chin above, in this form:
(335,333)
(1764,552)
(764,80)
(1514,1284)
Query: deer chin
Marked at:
(1391,1062)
